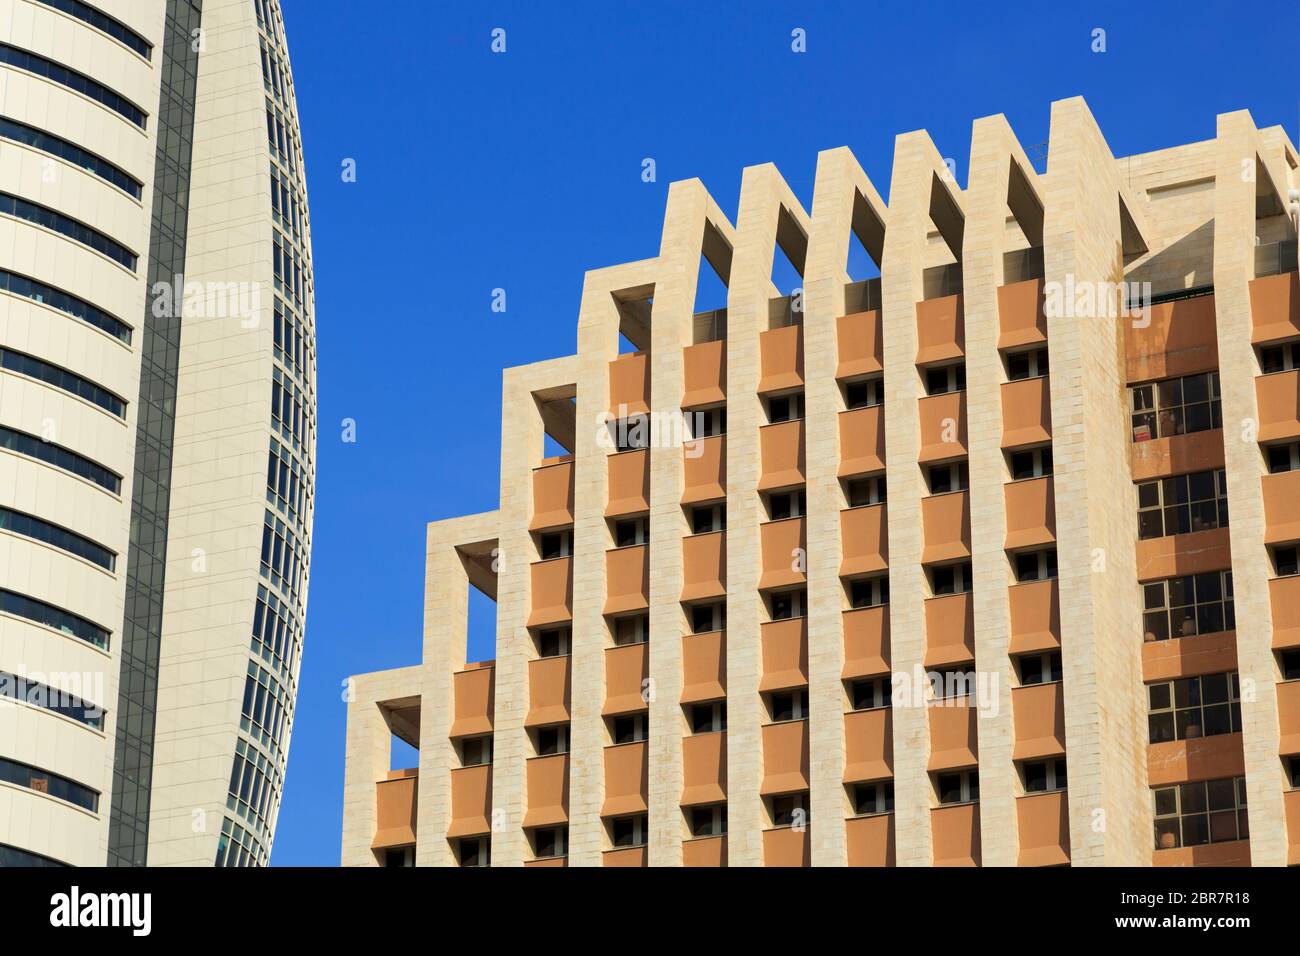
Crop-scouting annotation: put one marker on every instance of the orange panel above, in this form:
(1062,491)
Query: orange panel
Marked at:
(1026,412)
(870,840)
(704,666)
(940,330)
(1180,657)
(1292,801)
(1235,853)
(1284,598)
(629,483)
(705,851)
(785,547)
(1179,554)
(955,832)
(1035,616)
(548,791)
(555,862)
(625,779)
(1038,713)
(704,566)
(859,344)
(1202,758)
(627,579)
(949,630)
(786,846)
(626,670)
(1022,319)
(781,447)
(943,427)
(1031,513)
(1282,507)
(1043,820)
(704,370)
(868,745)
(629,385)
(864,539)
(704,769)
(628,856)
(781,358)
(705,470)
(552,496)
(1288,717)
(866,642)
(946,522)
(548,691)
(472,690)
(953,741)
(552,591)
(1177,455)
(785,757)
(785,654)
(1278,396)
(396,809)
(1179,339)
(862,441)
(1275,308)
(471,801)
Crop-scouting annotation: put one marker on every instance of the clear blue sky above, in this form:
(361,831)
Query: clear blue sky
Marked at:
(522,170)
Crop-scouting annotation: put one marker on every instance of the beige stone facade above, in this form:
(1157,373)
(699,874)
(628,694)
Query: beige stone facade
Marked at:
(945,567)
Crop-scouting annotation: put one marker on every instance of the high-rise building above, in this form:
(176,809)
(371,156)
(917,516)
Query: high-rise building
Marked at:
(1080,388)
(157,429)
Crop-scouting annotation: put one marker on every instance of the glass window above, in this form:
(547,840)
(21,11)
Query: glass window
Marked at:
(1176,406)
(1188,606)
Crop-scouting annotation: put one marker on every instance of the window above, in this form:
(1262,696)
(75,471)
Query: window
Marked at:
(1285,561)
(42,781)
(706,519)
(1036,565)
(1288,663)
(869,592)
(963,787)
(78,82)
(1176,406)
(708,617)
(954,682)
(556,544)
(865,491)
(708,718)
(29,526)
(788,705)
(1039,668)
(706,423)
(866,393)
(1194,707)
(1283,458)
(104,24)
(787,504)
(871,694)
(1293,772)
(18,688)
(785,408)
(630,532)
(945,478)
(550,843)
(553,740)
(1194,814)
(1034,463)
(630,433)
(949,378)
(1183,504)
(23,364)
(47,615)
(709,821)
(869,798)
(1187,606)
(790,810)
(629,831)
(634,629)
(399,856)
(474,851)
(951,579)
(785,605)
(32,447)
(475,751)
(1279,358)
(553,642)
(629,729)
(1022,365)
(71,153)
(1044,776)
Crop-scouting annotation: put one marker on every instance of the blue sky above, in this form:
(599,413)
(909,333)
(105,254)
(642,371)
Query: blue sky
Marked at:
(521,170)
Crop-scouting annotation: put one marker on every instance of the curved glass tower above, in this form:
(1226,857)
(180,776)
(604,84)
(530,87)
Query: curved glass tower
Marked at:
(157,429)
